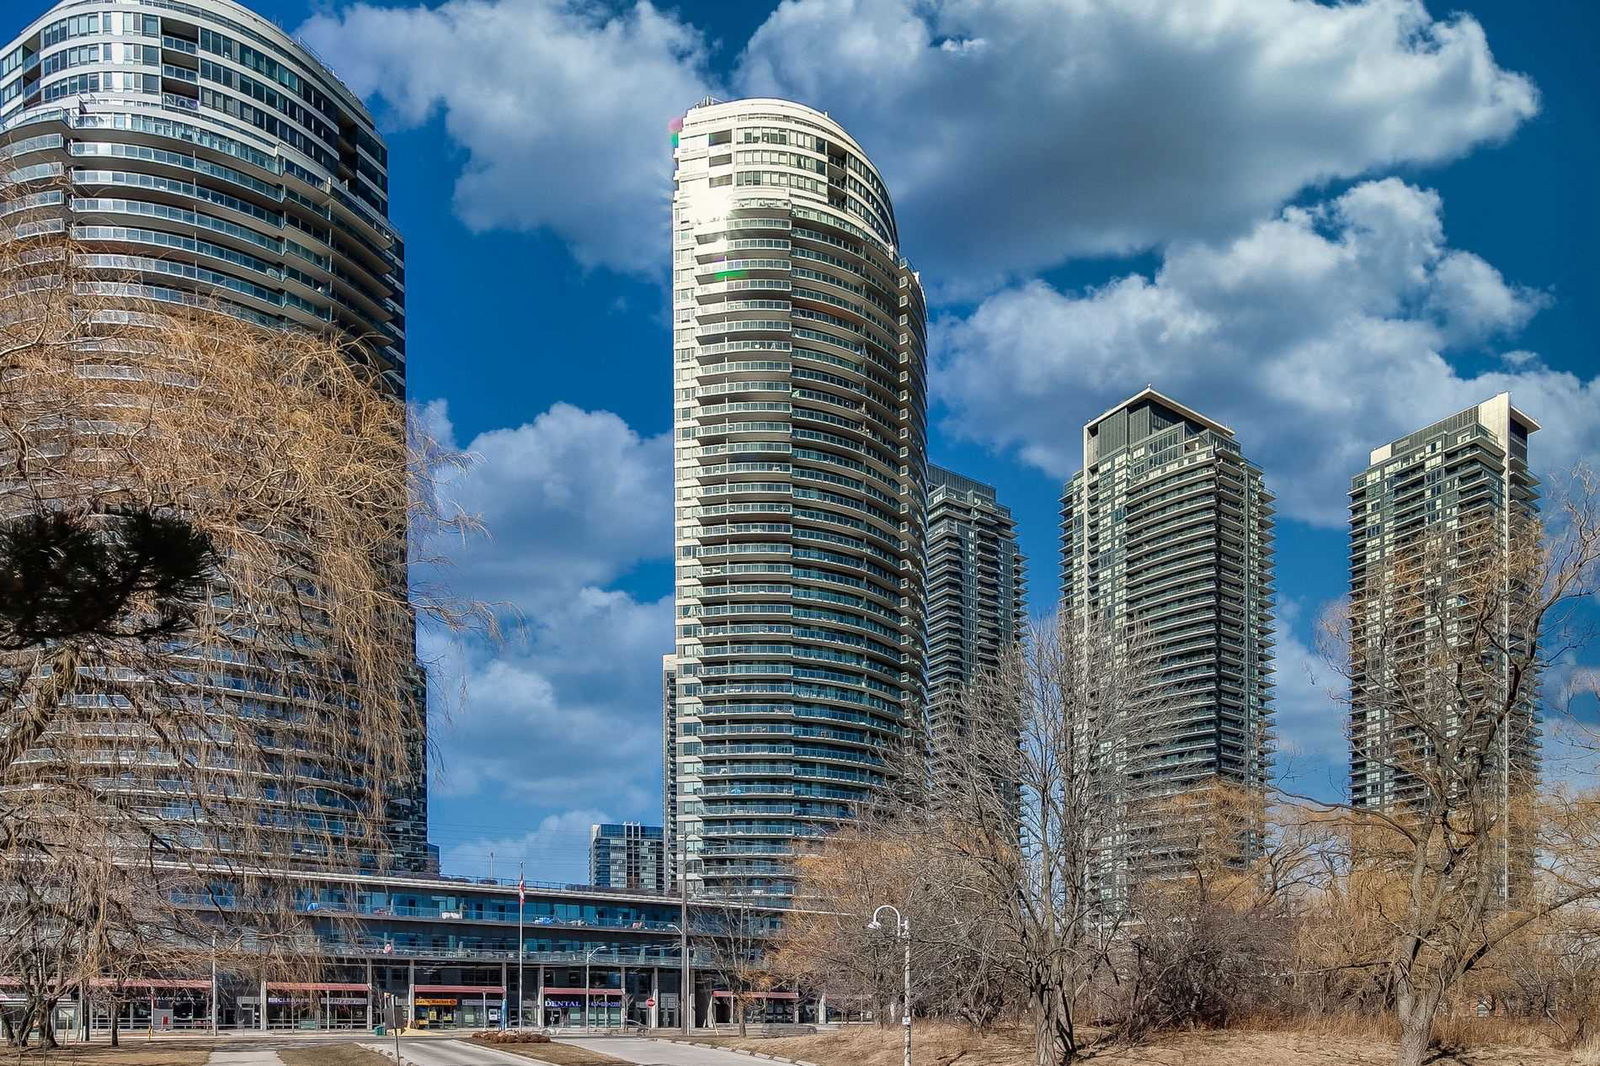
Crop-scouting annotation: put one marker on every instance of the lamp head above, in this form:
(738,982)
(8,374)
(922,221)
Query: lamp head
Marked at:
(874,924)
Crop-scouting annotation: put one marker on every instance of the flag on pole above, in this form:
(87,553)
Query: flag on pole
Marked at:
(522,890)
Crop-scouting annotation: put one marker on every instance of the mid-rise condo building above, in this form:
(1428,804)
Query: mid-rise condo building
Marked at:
(627,855)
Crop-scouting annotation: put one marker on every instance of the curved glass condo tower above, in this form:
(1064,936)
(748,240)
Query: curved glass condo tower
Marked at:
(800,409)
(208,156)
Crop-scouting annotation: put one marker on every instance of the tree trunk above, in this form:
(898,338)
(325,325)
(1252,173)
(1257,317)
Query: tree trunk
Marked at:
(47,1025)
(1415,1013)
(1055,1043)
(116,1020)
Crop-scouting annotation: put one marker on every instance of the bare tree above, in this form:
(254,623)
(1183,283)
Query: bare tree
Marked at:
(736,938)
(1215,941)
(208,680)
(959,953)
(1444,649)
(1043,792)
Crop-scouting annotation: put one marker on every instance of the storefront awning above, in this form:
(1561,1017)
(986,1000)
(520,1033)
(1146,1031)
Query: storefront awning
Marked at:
(464,990)
(314,986)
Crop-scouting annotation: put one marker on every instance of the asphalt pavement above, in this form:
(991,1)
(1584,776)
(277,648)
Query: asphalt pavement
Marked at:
(431,1051)
(661,1052)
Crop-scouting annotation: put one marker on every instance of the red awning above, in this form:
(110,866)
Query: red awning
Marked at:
(314,986)
(465,990)
(148,982)
(583,991)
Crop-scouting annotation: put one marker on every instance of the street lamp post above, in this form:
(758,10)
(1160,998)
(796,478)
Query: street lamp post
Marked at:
(683,971)
(902,927)
(214,984)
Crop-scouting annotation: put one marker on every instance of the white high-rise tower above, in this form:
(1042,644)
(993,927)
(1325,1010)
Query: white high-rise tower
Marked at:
(800,411)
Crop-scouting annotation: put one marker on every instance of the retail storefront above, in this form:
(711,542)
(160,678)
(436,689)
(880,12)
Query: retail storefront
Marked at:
(564,1008)
(309,1005)
(762,1008)
(458,1006)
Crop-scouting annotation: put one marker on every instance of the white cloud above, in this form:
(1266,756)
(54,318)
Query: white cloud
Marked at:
(1017,133)
(1317,336)
(567,709)
(556,850)
(1014,133)
(561,105)
(573,498)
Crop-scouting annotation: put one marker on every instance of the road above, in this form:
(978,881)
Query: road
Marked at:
(662,1052)
(431,1051)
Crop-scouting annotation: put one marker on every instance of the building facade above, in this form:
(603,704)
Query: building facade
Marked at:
(669,763)
(799,427)
(977,590)
(1167,540)
(1460,485)
(197,154)
(627,855)
(444,952)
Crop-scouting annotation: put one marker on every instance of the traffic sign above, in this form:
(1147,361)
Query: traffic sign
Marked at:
(651,1002)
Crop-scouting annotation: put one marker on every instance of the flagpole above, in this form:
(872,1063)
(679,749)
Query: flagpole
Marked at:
(521,896)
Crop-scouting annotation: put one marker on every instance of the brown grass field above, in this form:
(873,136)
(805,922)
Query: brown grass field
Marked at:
(332,1055)
(1336,1042)
(135,1051)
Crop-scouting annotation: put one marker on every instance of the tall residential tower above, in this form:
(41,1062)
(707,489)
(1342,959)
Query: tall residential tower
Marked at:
(1167,540)
(800,410)
(1460,485)
(977,587)
(196,153)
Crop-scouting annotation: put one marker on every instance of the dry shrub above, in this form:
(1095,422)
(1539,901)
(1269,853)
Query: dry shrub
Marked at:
(511,1036)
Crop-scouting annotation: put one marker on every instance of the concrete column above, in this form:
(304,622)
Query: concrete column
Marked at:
(261,1014)
(369,994)
(822,1008)
(505,998)
(411,993)
(796,1012)
(654,1018)
(538,1003)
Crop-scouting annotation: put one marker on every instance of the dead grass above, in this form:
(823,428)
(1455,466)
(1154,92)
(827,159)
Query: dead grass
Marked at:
(332,1055)
(133,1052)
(557,1054)
(935,1044)
(1332,1042)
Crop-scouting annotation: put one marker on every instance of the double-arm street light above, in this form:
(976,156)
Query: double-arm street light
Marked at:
(902,929)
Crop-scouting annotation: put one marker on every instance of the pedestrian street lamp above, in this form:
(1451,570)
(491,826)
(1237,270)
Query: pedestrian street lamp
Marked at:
(902,929)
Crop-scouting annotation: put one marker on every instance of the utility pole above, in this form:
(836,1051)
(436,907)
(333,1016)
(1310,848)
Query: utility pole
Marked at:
(685,992)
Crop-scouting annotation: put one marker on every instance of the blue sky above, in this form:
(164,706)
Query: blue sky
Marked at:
(1322,225)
